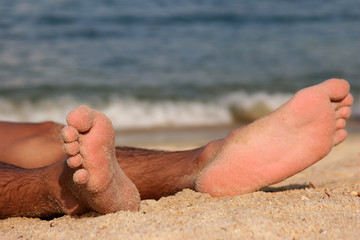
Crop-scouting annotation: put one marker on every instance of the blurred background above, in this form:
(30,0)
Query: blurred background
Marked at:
(171,64)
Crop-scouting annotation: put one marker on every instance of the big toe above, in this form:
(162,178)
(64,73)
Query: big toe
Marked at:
(337,89)
(81,118)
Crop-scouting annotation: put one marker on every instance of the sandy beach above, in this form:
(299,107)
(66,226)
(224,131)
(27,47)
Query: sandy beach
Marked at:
(318,203)
(174,75)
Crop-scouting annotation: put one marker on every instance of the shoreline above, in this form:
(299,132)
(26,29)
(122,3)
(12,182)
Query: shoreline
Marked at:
(181,138)
(172,138)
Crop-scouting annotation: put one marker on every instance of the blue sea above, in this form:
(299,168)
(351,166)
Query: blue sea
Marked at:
(161,63)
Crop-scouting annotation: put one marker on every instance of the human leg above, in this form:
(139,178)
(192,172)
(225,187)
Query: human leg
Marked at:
(96,183)
(308,126)
(24,193)
(30,145)
(33,145)
(161,173)
(247,159)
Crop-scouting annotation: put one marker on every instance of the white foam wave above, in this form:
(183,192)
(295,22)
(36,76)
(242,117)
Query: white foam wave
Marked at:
(130,113)
(134,113)
(248,101)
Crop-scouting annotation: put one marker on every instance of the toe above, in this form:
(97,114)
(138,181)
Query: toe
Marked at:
(339,136)
(81,176)
(72,148)
(340,123)
(81,118)
(348,100)
(343,112)
(69,134)
(75,161)
(337,89)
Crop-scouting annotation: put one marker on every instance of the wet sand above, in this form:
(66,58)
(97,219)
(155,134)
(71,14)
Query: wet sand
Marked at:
(318,203)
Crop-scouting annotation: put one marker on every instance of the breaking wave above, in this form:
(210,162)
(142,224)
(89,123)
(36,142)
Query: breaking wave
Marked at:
(132,113)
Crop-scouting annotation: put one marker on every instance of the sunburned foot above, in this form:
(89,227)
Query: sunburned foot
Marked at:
(98,182)
(275,147)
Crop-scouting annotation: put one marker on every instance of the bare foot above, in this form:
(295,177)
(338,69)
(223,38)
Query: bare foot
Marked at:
(295,136)
(99,182)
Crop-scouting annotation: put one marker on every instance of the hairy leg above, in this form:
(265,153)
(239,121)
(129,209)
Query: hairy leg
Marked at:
(34,145)
(295,136)
(25,192)
(90,179)
(160,173)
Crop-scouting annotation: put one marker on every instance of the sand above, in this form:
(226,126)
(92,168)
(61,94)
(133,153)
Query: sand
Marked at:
(314,204)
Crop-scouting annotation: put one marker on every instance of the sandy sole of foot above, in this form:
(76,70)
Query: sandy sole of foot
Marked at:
(318,203)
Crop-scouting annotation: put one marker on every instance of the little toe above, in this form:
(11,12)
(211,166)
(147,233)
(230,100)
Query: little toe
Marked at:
(75,161)
(81,176)
(69,134)
(72,148)
(81,118)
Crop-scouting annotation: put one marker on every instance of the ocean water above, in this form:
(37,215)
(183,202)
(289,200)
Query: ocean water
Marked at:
(157,63)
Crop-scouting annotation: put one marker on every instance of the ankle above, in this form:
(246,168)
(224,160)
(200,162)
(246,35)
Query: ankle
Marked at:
(58,181)
(208,153)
